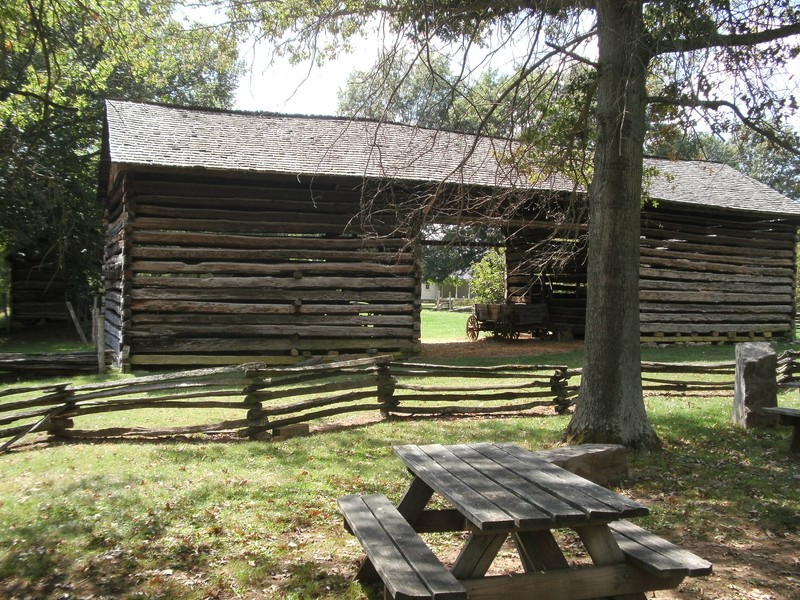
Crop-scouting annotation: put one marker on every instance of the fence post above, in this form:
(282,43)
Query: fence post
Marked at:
(63,420)
(99,328)
(558,385)
(786,366)
(386,386)
(257,420)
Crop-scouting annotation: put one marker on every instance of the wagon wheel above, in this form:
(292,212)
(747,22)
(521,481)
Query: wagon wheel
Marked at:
(473,327)
(513,335)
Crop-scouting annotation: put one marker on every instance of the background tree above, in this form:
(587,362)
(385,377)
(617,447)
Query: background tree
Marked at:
(58,60)
(690,58)
(488,278)
(398,88)
(451,250)
(763,160)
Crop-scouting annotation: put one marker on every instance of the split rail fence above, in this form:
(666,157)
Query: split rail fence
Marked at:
(789,368)
(253,399)
(57,364)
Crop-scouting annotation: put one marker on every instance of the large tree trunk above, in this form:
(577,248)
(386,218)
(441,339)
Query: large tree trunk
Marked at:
(611,406)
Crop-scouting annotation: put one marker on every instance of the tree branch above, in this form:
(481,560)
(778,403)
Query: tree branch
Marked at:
(768,133)
(575,56)
(716,40)
(6,93)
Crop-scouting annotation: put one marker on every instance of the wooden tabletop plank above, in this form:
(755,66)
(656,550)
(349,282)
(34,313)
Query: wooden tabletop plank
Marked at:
(524,512)
(537,500)
(500,486)
(598,501)
(534,471)
(482,513)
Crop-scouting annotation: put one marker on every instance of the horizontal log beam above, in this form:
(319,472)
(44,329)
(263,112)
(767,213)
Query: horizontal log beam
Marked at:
(720,328)
(734,309)
(702,277)
(297,269)
(239,312)
(277,283)
(265,345)
(183,253)
(715,297)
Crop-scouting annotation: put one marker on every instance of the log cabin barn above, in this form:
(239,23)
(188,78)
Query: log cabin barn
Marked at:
(235,237)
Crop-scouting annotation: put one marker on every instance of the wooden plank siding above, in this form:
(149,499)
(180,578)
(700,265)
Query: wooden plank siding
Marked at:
(703,278)
(552,272)
(38,290)
(716,277)
(209,271)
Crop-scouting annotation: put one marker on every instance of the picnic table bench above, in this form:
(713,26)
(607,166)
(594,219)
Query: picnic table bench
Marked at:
(791,417)
(497,491)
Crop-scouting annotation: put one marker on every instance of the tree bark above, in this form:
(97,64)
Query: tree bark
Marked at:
(611,405)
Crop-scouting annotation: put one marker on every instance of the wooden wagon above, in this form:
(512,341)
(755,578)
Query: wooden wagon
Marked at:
(508,320)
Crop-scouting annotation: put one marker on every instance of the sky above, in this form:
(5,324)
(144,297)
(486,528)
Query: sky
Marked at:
(307,89)
(297,89)
(285,88)
(312,90)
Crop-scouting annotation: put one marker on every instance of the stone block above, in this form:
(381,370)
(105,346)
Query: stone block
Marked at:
(756,384)
(604,464)
(290,431)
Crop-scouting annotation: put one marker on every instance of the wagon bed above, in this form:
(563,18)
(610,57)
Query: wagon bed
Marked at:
(508,320)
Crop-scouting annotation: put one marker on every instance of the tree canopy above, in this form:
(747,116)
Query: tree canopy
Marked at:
(59,60)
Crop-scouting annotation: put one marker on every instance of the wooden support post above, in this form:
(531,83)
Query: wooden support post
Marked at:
(100,339)
(558,385)
(75,322)
(386,388)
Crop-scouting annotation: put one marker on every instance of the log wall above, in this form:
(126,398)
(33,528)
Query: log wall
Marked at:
(558,281)
(715,278)
(207,271)
(211,271)
(703,278)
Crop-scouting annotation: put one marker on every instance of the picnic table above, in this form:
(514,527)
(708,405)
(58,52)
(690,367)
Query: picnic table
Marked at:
(790,417)
(497,491)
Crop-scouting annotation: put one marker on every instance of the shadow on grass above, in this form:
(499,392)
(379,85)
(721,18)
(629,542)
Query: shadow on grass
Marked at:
(204,444)
(713,475)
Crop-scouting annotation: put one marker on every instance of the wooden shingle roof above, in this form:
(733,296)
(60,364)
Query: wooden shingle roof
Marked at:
(167,136)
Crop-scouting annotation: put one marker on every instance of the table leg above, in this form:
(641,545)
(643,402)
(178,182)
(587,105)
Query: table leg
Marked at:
(477,555)
(366,572)
(539,551)
(414,500)
(794,444)
(604,550)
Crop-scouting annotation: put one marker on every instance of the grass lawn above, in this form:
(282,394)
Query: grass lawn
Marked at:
(439,325)
(199,519)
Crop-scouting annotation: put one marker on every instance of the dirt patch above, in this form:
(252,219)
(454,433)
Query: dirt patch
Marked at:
(751,569)
(491,347)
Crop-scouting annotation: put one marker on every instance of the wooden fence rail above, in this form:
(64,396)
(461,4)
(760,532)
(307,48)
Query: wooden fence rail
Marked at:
(64,364)
(259,398)
(688,378)
(789,368)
